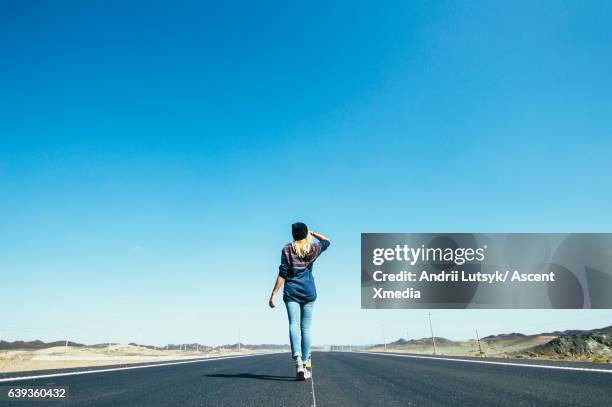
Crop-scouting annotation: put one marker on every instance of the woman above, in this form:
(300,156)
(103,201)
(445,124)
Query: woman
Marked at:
(299,292)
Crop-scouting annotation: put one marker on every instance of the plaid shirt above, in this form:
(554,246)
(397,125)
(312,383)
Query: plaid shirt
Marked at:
(297,272)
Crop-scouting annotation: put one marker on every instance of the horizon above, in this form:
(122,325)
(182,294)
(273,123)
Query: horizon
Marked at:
(390,340)
(149,173)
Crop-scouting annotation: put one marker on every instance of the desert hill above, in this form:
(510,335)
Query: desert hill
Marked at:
(594,345)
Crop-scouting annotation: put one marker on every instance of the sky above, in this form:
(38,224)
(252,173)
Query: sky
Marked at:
(153,156)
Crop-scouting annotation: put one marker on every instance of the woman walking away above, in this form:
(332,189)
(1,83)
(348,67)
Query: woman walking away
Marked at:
(299,292)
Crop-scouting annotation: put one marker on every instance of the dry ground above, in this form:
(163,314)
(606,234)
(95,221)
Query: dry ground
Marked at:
(61,357)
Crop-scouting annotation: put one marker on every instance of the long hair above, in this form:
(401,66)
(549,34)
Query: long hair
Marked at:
(301,247)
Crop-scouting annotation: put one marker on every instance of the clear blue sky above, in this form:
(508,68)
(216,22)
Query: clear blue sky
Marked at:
(153,155)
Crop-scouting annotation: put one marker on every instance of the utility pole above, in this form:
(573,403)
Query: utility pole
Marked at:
(433,339)
(478,339)
(384,340)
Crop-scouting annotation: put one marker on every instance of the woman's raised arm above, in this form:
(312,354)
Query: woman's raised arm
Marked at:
(318,236)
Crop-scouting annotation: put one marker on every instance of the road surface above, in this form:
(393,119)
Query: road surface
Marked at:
(340,379)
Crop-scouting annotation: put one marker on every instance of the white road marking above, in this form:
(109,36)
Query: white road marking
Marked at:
(488,362)
(314,400)
(117,369)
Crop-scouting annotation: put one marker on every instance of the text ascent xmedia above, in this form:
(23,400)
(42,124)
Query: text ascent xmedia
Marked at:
(456,276)
(449,276)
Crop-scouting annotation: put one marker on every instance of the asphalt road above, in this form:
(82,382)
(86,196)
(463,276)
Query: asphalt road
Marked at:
(340,379)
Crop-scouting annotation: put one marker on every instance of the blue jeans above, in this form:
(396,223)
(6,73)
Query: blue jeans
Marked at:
(300,315)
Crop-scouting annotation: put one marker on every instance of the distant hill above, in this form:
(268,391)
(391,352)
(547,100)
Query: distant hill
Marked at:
(34,344)
(194,346)
(265,346)
(558,344)
(512,335)
(590,344)
(403,343)
(605,330)
(199,346)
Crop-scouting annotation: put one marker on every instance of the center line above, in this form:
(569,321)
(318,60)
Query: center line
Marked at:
(314,401)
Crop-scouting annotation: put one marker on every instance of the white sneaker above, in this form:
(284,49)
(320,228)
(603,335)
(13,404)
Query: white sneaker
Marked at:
(307,374)
(300,373)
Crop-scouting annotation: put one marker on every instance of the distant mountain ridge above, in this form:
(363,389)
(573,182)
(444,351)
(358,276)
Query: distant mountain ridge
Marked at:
(594,344)
(569,343)
(37,344)
(605,330)
(4,345)
(504,336)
